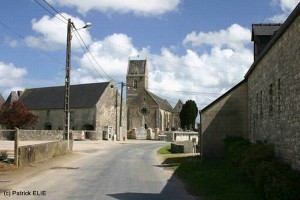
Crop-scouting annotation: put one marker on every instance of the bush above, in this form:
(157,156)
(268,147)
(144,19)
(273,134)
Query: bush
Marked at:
(275,179)
(3,155)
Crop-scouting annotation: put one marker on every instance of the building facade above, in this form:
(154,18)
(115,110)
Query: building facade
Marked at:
(274,92)
(94,106)
(145,109)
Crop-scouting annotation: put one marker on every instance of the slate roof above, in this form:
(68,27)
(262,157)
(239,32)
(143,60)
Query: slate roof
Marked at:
(81,96)
(264,29)
(137,67)
(162,103)
(295,13)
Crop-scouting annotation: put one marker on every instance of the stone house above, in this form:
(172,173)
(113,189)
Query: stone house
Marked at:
(92,107)
(272,86)
(274,92)
(225,116)
(145,109)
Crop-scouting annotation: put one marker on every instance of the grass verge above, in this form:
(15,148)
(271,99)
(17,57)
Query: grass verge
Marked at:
(211,179)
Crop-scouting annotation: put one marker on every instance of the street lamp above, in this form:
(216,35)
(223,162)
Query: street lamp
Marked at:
(67,78)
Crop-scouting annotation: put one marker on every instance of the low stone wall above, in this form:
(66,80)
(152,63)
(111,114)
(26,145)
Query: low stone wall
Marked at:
(183,147)
(40,152)
(172,136)
(177,148)
(93,135)
(46,135)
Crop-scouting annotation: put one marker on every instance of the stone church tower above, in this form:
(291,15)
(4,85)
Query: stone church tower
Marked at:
(145,109)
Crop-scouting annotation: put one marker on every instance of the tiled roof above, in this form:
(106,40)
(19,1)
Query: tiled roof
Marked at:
(162,103)
(81,96)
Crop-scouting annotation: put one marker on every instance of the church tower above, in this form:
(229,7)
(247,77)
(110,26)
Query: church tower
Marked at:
(136,78)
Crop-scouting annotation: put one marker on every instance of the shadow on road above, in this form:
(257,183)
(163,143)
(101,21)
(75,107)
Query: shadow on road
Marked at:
(174,189)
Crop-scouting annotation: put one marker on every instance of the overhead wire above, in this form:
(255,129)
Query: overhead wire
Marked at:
(55,10)
(65,22)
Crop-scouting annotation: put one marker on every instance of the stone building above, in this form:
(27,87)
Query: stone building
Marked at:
(225,116)
(92,107)
(2,101)
(145,109)
(272,86)
(274,92)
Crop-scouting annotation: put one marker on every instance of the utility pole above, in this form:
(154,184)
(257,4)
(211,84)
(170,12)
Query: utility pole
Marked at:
(67,83)
(121,109)
(116,131)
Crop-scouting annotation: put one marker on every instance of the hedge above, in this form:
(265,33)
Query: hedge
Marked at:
(274,178)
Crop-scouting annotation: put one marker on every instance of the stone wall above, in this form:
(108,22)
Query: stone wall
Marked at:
(41,152)
(274,96)
(183,147)
(226,116)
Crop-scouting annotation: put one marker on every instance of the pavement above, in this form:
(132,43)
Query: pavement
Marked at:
(98,170)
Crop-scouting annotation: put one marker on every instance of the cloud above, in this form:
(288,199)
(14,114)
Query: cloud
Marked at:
(286,7)
(197,75)
(11,77)
(52,33)
(144,8)
(112,55)
(235,37)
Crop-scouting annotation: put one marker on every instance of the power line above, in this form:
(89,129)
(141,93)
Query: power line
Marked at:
(55,10)
(87,56)
(92,54)
(34,45)
(50,11)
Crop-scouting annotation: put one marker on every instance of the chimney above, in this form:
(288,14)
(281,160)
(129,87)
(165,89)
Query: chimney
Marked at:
(262,35)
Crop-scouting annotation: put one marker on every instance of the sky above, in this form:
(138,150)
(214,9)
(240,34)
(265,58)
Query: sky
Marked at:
(195,49)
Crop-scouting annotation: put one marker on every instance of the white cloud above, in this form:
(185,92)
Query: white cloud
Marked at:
(52,33)
(208,74)
(112,54)
(286,6)
(11,77)
(235,37)
(145,8)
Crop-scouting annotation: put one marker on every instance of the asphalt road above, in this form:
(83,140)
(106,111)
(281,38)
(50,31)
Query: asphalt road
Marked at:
(122,171)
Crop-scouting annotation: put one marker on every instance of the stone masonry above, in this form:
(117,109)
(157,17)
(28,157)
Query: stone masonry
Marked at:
(274,96)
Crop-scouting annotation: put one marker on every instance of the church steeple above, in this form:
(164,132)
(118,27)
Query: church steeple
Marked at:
(136,78)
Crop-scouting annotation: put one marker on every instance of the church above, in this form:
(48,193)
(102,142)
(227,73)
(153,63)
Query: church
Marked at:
(145,109)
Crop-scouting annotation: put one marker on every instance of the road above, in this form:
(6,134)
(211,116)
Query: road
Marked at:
(128,170)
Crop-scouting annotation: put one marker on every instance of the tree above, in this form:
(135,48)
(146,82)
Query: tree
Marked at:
(16,115)
(188,114)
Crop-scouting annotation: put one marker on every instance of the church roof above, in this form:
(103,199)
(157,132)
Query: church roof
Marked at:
(162,103)
(81,96)
(137,67)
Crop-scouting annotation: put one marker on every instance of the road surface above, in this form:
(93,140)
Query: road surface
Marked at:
(128,170)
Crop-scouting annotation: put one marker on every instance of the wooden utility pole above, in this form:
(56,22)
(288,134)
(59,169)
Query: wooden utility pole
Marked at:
(67,82)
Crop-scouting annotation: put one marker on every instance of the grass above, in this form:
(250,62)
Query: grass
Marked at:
(165,150)
(212,179)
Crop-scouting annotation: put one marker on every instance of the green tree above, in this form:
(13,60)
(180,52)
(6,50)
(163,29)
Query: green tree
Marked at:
(188,114)
(16,115)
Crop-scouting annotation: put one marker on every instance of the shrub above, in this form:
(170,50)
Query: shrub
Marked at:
(275,179)
(3,155)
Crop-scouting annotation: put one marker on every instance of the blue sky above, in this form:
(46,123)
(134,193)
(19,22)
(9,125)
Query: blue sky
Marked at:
(196,49)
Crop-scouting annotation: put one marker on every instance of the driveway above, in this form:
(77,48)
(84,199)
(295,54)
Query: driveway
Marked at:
(98,170)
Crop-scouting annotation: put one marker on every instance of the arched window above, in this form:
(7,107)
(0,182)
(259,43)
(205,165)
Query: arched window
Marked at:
(134,84)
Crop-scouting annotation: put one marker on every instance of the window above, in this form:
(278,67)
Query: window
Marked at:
(261,104)
(48,114)
(270,99)
(279,96)
(134,84)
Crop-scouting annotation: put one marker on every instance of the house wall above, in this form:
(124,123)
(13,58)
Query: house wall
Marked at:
(274,96)
(227,116)
(107,114)
(55,117)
